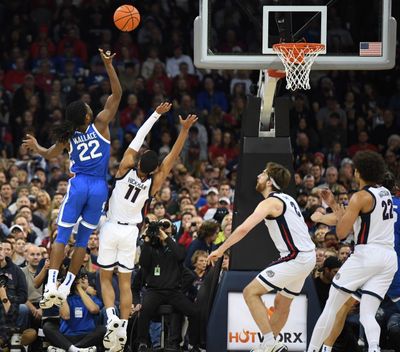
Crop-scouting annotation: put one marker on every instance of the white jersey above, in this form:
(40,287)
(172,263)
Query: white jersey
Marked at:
(128,198)
(289,231)
(376,226)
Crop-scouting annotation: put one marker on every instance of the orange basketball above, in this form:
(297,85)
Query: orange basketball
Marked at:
(126,18)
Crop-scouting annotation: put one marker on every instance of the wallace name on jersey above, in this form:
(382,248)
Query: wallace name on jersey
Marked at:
(84,137)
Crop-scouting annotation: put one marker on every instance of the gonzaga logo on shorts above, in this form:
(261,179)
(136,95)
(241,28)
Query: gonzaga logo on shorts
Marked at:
(243,333)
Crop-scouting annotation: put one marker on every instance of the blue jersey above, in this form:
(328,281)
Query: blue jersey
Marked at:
(89,153)
(394,289)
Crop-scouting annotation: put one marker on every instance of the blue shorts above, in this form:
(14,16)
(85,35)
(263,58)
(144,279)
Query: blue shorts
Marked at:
(86,197)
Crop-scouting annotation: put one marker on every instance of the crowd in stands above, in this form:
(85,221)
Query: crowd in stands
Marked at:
(49,58)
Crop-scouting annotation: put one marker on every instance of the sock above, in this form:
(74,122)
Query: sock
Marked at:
(269,340)
(326,348)
(110,312)
(52,279)
(374,348)
(72,348)
(124,325)
(66,285)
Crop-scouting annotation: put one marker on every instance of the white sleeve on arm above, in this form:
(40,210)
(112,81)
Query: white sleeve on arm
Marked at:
(143,131)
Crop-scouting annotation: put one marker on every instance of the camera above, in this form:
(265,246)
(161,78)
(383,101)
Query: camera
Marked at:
(3,280)
(153,230)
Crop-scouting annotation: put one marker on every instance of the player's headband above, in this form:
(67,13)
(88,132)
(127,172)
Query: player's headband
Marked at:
(274,183)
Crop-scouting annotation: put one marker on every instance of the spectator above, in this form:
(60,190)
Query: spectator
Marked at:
(13,292)
(344,252)
(78,327)
(206,236)
(323,282)
(209,97)
(174,62)
(34,316)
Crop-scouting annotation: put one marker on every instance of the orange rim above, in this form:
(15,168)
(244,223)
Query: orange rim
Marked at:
(295,52)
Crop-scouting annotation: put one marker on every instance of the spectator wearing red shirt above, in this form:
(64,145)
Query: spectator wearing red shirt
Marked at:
(362,144)
(42,40)
(15,77)
(132,109)
(212,201)
(192,81)
(72,39)
(228,150)
(160,76)
(215,149)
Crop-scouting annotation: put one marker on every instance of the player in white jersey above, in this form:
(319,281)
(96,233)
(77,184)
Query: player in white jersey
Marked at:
(134,186)
(370,269)
(287,228)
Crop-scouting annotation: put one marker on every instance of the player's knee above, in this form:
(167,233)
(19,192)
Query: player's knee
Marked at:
(83,234)
(63,234)
(248,293)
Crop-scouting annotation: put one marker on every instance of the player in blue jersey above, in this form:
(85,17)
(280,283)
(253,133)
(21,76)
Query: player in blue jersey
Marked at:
(87,140)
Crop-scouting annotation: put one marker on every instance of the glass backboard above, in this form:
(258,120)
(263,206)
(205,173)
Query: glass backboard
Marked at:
(234,34)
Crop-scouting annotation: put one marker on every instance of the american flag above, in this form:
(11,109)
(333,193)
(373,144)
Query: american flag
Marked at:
(371,49)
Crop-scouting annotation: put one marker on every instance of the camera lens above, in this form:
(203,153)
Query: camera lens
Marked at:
(165,224)
(193,224)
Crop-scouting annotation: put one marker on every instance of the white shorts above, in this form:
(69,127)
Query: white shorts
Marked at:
(117,246)
(288,275)
(369,270)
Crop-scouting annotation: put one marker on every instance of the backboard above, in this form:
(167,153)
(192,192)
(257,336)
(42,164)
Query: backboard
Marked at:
(237,34)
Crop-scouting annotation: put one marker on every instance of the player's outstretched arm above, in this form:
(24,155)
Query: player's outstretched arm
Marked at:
(173,155)
(110,108)
(259,214)
(128,160)
(31,144)
(327,219)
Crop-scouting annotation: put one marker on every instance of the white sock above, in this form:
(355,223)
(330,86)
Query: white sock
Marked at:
(326,348)
(124,325)
(52,279)
(73,349)
(110,312)
(374,348)
(67,283)
(269,340)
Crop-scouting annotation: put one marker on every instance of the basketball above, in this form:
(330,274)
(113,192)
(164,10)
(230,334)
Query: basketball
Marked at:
(126,18)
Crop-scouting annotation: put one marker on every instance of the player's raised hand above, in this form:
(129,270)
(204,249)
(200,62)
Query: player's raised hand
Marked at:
(106,56)
(214,255)
(163,108)
(188,122)
(30,143)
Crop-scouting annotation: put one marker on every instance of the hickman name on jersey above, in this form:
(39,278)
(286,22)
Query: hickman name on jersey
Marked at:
(129,198)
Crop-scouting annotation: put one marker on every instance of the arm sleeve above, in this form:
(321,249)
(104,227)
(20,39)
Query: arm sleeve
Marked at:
(143,131)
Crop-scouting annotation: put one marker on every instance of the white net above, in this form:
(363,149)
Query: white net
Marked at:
(298,59)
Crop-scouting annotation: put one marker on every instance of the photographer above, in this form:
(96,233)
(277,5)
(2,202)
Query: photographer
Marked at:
(161,261)
(13,292)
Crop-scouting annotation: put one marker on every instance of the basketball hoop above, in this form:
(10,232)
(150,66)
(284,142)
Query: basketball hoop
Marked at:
(298,59)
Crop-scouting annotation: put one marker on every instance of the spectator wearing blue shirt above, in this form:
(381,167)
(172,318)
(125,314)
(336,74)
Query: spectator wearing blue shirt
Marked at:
(206,236)
(78,331)
(208,98)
